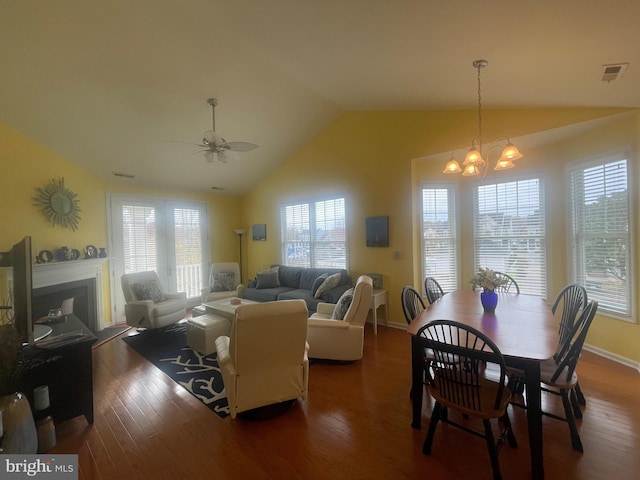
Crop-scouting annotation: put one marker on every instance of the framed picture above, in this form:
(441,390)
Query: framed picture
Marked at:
(377,231)
(259,232)
(377,280)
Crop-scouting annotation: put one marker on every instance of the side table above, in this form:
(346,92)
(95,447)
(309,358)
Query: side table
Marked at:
(378,298)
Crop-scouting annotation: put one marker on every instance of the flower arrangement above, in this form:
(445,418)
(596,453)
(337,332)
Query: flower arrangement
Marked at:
(488,280)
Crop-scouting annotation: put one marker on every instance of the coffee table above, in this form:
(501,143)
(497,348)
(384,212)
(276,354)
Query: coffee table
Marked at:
(224,307)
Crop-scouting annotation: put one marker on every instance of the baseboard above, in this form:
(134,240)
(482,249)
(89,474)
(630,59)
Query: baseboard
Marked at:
(613,356)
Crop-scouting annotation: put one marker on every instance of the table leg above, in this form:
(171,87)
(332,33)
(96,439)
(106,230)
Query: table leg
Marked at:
(417,379)
(534,417)
(375,319)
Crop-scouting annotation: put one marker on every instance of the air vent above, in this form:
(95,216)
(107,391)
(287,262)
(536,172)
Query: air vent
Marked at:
(217,188)
(613,71)
(123,175)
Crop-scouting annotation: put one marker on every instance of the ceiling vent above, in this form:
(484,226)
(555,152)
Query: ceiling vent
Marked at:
(613,71)
(123,175)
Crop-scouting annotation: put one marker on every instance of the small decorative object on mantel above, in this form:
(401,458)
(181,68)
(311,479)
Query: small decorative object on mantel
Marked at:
(102,253)
(90,252)
(487,279)
(58,204)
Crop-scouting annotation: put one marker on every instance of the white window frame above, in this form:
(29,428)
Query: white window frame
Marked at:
(447,283)
(311,242)
(575,258)
(543,242)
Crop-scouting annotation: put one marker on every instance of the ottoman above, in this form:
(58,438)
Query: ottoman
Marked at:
(202,332)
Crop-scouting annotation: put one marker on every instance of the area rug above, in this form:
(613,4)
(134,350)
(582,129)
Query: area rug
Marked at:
(199,374)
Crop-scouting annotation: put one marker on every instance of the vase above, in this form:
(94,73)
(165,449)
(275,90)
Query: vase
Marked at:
(489,299)
(20,435)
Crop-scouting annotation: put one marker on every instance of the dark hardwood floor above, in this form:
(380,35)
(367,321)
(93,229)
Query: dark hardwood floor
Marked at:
(355,425)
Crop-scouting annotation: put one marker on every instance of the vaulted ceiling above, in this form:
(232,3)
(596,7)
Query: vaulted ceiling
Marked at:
(114,86)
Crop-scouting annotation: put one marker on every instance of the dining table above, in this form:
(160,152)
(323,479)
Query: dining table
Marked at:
(523,328)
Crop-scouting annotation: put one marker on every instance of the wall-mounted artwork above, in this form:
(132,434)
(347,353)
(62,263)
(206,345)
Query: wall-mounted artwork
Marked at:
(259,232)
(377,231)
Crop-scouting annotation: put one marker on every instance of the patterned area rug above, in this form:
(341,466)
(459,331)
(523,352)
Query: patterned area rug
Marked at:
(167,349)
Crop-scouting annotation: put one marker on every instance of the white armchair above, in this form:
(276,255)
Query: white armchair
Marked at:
(223,276)
(148,306)
(341,339)
(264,358)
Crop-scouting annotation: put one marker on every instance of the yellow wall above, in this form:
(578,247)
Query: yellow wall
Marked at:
(27,166)
(369,158)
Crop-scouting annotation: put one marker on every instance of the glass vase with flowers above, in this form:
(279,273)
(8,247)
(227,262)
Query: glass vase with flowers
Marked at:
(489,281)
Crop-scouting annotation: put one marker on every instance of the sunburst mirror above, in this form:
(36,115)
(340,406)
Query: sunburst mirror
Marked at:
(58,204)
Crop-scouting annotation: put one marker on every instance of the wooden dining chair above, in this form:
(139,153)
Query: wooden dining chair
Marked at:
(432,289)
(558,374)
(412,306)
(572,299)
(510,286)
(462,355)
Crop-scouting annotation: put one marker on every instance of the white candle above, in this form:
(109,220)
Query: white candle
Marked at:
(41,398)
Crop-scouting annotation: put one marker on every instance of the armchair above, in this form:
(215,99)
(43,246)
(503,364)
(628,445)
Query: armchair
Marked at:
(148,306)
(224,282)
(341,339)
(264,359)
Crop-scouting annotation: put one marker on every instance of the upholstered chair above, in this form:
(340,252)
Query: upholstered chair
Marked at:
(334,339)
(224,282)
(148,305)
(264,359)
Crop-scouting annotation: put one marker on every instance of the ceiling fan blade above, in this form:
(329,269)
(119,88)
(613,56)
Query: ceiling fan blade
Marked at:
(209,156)
(188,143)
(240,146)
(222,157)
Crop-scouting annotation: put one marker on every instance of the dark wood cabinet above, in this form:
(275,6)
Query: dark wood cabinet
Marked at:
(66,367)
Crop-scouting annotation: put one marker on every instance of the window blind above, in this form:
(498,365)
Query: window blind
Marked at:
(139,234)
(439,237)
(509,232)
(314,234)
(601,234)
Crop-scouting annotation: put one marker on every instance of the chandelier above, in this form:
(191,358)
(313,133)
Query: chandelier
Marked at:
(474,163)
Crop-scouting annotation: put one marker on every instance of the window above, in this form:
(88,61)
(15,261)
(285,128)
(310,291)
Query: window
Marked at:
(439,241)
(509,232)
(314,234)
(601,238)
(165,236)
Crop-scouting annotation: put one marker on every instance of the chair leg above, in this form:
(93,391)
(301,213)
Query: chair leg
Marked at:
(576,443)
(511,438)
(493,451)
(575,404)
(435,417)
(581,399)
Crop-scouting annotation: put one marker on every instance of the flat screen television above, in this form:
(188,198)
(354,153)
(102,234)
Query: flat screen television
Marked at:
(22,296)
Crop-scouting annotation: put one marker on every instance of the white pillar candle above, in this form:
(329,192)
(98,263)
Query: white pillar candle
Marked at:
(41,398)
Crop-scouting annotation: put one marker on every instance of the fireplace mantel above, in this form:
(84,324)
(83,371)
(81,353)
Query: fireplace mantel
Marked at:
(54,273)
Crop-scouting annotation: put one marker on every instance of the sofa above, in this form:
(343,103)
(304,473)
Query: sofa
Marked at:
(297,282)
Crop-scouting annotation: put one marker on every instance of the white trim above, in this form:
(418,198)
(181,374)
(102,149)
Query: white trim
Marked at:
(613,356)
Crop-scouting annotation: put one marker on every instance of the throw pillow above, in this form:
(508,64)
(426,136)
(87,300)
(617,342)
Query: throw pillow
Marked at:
(222,282)
(330,282)
(317,282)
(267,280)
(272,270)
(148,291)
(343,305)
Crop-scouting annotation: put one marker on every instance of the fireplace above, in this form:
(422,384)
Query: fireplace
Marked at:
(78,279)
(83,293)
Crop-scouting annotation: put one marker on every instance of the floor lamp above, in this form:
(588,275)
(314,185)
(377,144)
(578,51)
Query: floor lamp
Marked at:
(240,232)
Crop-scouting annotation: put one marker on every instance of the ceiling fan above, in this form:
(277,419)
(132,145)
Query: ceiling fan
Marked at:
(215,146)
